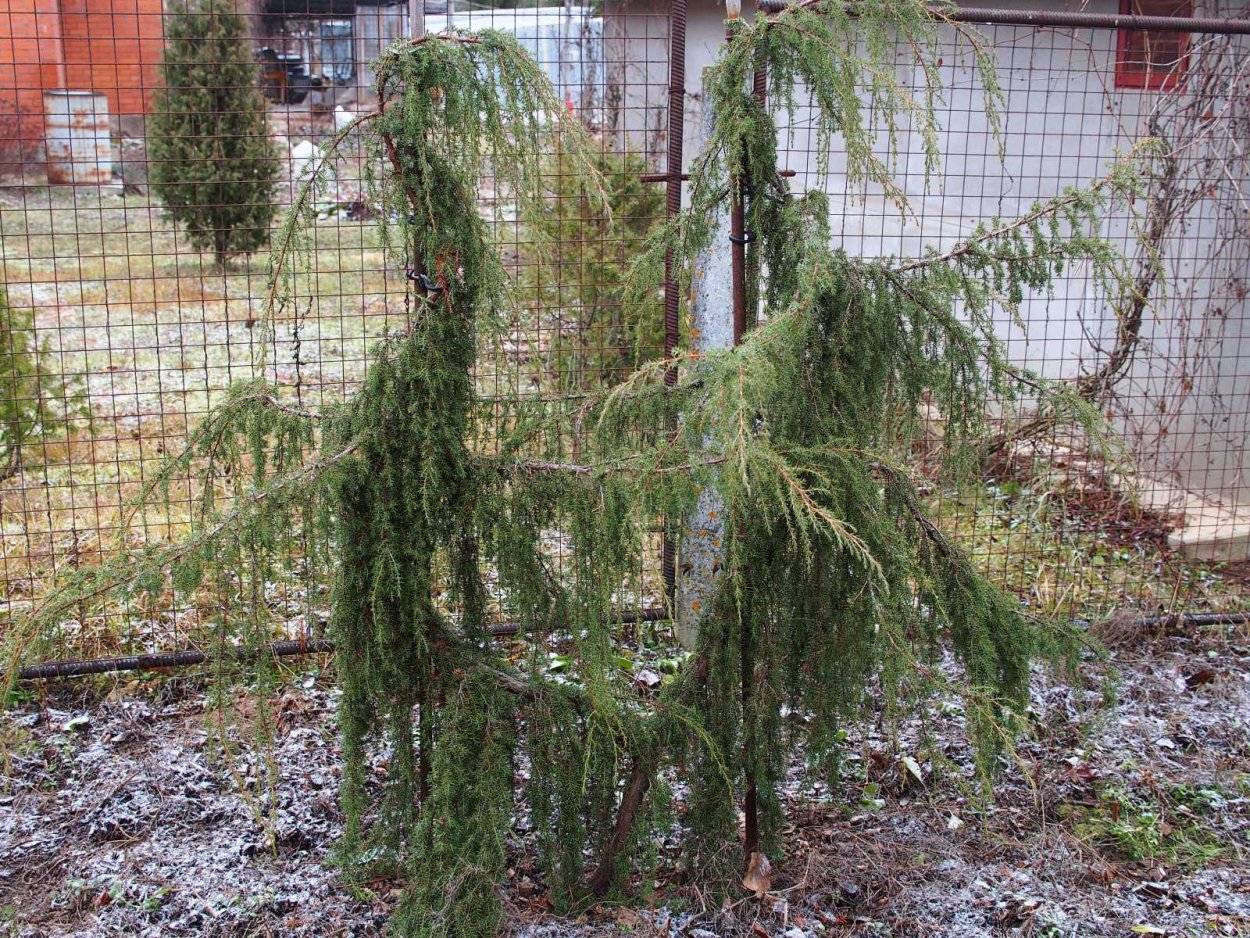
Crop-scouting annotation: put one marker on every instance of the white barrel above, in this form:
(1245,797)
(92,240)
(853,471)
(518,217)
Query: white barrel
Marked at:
(76,140)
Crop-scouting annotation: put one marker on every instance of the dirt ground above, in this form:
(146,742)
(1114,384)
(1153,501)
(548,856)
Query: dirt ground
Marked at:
(1127,812)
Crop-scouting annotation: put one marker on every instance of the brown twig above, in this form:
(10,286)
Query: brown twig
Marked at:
(631,801)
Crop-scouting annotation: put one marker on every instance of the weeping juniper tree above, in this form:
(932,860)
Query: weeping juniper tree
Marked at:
(438,502)
(833,577)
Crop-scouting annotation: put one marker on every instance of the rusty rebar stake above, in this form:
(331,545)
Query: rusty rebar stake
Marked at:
(672,207)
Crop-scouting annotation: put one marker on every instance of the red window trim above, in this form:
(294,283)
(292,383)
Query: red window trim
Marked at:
(1135,77)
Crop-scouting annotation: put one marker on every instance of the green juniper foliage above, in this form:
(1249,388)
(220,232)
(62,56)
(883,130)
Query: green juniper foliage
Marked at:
(833,578)
(34,398)
(253,482)
(596,339)
(415,512)
(435,504)
(213,162)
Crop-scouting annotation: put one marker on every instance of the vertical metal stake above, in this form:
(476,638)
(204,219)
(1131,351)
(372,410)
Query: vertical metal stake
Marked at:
(750,800)
(672,206)
(416,19)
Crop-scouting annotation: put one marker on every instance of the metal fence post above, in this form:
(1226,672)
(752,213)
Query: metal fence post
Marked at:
(712,291)
(416,19)
(672,207)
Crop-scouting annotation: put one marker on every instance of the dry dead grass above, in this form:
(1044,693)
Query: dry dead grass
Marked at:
(149,334)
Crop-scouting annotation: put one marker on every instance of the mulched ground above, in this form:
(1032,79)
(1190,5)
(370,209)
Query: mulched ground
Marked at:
(1084,500)
(121,818)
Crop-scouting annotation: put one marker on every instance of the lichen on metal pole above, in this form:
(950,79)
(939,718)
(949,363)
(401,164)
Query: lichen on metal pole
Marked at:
(711,327)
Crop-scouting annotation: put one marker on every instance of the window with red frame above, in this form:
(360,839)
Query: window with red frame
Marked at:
(1151,60)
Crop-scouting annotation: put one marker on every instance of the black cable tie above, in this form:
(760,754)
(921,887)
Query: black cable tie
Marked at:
(429,286)
(744,239)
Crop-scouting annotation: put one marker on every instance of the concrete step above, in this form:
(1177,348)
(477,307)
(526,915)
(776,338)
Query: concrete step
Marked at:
(1210,528)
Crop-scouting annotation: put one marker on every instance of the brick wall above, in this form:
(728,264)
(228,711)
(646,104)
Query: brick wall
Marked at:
(31,60)
(113,47)
(109,46)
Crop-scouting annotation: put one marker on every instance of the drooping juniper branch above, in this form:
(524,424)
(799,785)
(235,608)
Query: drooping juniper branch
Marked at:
(977,244)
(425,683)
(1199,127)
(134,567)
(281,255)
(632,800)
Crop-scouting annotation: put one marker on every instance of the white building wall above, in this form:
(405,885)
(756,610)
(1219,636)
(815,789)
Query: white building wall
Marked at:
(565,41)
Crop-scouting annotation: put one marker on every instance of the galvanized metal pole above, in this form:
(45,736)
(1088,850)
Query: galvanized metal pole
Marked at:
(712,289)
(718,305)
(718,319)
(416,19)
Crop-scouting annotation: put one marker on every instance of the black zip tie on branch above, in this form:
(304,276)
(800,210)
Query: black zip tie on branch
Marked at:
(429,287)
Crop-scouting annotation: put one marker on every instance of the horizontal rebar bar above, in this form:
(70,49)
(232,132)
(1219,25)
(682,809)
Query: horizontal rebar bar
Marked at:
(1064,19)
(49,670)
(156,661)
(1194,619)
(169,659)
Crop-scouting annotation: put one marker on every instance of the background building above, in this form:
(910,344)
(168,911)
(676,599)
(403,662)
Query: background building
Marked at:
(1074,100)
(111,47)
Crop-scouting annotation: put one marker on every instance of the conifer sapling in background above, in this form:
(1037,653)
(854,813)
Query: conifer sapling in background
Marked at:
(32,392)
(213,162)
(597,339)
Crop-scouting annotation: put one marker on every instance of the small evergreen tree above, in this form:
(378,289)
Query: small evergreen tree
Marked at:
(596,339)
(33,394)
(213,162)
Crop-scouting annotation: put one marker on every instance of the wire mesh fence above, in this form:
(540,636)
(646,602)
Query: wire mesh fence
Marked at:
(122,333)
(1069,532)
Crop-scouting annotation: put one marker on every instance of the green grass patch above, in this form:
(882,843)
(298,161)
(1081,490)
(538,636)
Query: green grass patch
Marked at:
(1153,825)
